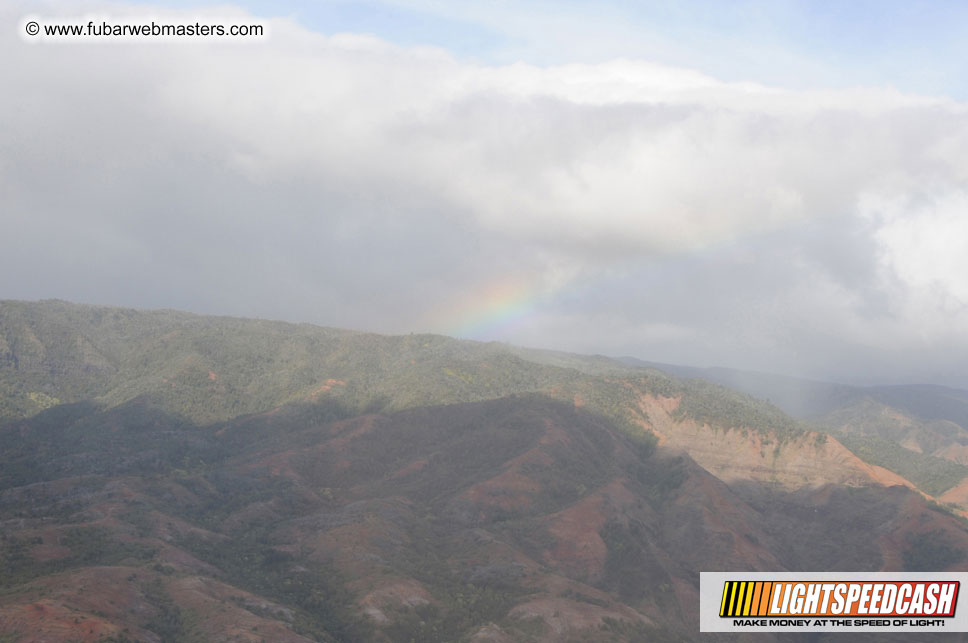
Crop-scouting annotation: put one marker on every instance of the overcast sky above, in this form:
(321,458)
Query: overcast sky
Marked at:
(777,185)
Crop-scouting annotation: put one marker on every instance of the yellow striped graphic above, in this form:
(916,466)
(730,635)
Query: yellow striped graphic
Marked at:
(730,594)
(746,598)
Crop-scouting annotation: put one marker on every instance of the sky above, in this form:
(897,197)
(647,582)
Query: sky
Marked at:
(773,185)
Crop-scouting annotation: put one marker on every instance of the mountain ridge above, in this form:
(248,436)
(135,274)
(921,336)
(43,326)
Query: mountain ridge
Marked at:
(244,479)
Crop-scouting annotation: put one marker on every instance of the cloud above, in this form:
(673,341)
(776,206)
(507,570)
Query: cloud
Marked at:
(619,157)
(345,180)
(921,253)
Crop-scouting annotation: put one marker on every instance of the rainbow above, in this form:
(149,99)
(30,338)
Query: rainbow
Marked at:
(491,310)
(495,309)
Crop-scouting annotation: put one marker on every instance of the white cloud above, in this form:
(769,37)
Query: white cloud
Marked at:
(623,156)
(924,251)
(344,166)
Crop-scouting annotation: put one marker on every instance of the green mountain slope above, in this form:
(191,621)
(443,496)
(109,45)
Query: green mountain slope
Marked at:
(208,369)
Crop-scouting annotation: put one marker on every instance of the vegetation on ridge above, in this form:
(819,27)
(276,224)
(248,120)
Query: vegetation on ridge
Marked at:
(932,475)
(210,369)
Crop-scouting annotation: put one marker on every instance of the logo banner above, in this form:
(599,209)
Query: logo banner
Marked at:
(832,602)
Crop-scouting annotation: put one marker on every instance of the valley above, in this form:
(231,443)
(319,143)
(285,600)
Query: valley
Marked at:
(173,477)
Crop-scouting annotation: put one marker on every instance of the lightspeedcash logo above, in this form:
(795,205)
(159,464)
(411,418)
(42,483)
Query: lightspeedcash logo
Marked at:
(831,602)
(774,598)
